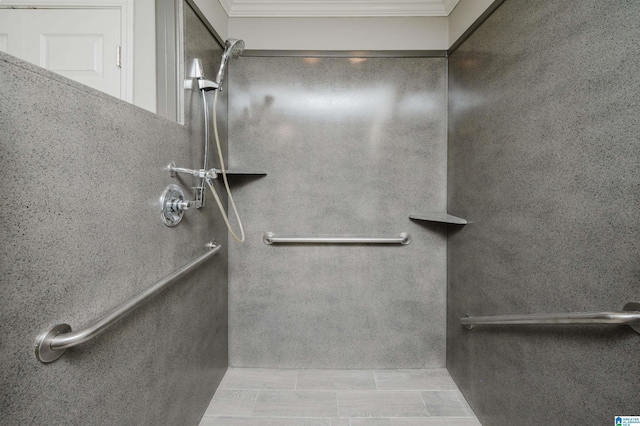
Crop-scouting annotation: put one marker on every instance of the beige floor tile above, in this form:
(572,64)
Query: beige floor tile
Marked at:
(259,378)
(418,379)
(232,402)
(380,404)
(295,404)
(336,380)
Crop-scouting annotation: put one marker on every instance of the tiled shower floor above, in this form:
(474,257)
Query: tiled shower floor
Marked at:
(270,397)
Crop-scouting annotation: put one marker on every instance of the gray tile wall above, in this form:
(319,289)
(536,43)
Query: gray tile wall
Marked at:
(351,147)
(81,235)
(543,160)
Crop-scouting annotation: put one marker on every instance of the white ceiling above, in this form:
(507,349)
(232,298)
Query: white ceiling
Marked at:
(336,8)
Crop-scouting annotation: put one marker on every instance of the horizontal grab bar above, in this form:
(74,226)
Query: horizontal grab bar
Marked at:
(630,316)
(51,344)
(270,238)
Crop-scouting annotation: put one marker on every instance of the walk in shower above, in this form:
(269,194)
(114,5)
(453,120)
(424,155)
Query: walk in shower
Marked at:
(429,237)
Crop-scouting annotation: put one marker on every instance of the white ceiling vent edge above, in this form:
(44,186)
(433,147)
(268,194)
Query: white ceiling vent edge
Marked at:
(336,8)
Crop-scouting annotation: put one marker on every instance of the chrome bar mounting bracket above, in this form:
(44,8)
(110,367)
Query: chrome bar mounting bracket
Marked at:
(44,352)
(633,306)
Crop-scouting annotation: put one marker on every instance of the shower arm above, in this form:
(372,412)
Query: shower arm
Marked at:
(184,205)
(200,173)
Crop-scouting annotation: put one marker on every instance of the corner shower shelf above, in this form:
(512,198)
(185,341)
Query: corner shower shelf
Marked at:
(245,172)
(439,217)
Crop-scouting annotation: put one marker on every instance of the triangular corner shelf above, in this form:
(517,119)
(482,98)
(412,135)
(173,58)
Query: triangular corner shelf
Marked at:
(245,172)
(439,217)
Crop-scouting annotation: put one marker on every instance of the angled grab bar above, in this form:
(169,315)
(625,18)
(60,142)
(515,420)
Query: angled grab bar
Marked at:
(630,316)
(51,344)
(270,238)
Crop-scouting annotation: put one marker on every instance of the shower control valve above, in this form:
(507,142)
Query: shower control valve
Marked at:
(180,205)
(173,205)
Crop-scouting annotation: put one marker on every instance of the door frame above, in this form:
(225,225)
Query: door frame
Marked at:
(126,29)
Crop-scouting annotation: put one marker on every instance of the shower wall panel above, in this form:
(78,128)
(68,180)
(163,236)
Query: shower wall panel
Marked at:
(82,234)
(544,153)
(351,147)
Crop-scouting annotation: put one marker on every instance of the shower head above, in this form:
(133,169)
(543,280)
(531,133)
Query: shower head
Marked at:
(232,48)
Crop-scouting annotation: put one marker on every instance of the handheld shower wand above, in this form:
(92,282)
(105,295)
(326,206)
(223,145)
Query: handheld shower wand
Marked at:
(233,49)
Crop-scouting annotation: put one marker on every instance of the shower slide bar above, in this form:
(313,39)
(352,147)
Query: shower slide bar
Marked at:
(51,344)
(270,238)
(630,316)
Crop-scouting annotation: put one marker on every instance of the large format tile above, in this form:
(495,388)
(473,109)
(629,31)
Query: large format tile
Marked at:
(544,150)
(259,378)
(350,149)
(69,154)
(446,404)
(232,402)
(418,379)
(296,404)
(342,407)
(336,380)
(381,404)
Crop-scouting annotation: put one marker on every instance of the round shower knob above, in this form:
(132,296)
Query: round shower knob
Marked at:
(173,205)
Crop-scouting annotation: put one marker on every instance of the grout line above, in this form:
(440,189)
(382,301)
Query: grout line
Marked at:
(254,402)
(297,377)
(375,380)
(425,403)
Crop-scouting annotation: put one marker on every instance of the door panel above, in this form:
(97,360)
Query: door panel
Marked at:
(81,54)
(12,32)
(77,43)
(4,42)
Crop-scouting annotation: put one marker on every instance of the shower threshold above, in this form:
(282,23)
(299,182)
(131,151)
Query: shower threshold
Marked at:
(275,397)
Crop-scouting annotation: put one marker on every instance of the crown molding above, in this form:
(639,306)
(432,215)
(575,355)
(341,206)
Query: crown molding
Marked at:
(449,5)
(336,8)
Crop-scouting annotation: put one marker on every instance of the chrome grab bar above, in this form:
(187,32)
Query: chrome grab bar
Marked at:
(270,238)
(630,316)
(51,344)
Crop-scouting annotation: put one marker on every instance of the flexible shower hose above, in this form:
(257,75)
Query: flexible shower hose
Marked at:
(224,172)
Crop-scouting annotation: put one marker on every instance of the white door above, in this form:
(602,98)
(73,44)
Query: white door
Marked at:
(11,33)
(80,44)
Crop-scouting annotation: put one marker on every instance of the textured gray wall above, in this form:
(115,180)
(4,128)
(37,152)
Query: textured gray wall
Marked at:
(543,160)
(350,148)
(81,235)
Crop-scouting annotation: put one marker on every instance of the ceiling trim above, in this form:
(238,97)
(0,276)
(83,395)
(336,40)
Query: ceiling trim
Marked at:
(449,5)
(342,8)
(347,53)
